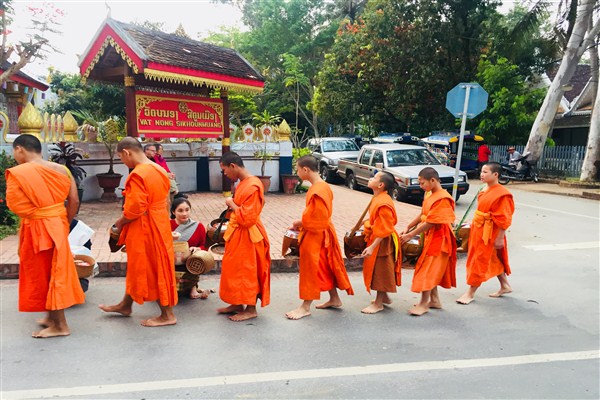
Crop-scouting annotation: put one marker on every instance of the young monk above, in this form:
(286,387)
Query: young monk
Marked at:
(437,264)
(246,265)
(36,191)
(383,258)
(146,231)
(488,256)
(322,267)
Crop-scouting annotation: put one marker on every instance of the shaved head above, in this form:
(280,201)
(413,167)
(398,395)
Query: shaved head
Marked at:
(129,143)
(429,173)
(231,158)
(494,167)
(309,162)
(29,143)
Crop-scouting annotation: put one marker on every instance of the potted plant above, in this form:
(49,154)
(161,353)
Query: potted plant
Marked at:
(265,121)
(67,154)
(109,132)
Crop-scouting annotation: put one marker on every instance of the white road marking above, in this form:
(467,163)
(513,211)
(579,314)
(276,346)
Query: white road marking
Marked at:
(551,209)
(563,246)
(299,374)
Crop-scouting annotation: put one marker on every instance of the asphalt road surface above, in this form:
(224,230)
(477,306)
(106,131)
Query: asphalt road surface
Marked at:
(541,341)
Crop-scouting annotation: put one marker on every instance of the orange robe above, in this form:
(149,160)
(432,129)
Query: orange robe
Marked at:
(381,224)
(321,264)
(47,275)
(150,257)
(437,264)
(495,207)
(246,265)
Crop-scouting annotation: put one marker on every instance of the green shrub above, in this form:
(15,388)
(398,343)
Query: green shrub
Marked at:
(296,154)
(7,218)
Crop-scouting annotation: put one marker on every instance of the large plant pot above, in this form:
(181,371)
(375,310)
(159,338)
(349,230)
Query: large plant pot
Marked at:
(266,181)
(109,182)
(289,183)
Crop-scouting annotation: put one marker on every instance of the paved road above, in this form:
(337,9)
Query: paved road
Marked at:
(539,342)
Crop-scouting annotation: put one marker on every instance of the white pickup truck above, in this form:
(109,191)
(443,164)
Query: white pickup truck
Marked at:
(404,162)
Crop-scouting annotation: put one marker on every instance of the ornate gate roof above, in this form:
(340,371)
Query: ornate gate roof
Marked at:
(166,58)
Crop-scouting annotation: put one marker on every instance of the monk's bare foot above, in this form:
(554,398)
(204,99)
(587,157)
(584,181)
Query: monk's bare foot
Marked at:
(465,299)
(243,316)
(435,304)
(386,300)
(202,294)
(329,304)
(49,332)
(503,290)
(298,313)
(45,322)
(159,321)
(117,308)
(372,309)
(231,309)
(418,310)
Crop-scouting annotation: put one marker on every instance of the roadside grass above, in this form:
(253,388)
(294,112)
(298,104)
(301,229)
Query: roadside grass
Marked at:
(6,230)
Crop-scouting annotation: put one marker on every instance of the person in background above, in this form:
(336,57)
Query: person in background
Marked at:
(513,156)
(159,159)
(150,151)
(194,233)
(483,154)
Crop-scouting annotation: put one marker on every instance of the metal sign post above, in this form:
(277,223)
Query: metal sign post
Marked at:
(465,100)
(461,140)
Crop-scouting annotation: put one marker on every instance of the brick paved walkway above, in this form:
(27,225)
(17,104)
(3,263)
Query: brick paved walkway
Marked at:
(279,211)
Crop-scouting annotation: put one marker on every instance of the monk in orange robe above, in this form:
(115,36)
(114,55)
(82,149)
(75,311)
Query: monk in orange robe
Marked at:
(437,264)
(246,265)
(322,267)
(383,255)
(36,191)
(145,230)
(488,256)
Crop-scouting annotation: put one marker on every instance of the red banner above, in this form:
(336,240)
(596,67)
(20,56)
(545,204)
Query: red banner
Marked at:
(169,115)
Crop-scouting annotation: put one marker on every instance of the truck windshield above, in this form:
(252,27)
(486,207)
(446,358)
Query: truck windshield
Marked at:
(400,158)
(339,145)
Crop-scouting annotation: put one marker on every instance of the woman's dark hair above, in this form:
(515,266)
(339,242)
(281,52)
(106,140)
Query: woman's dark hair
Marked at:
(176,203)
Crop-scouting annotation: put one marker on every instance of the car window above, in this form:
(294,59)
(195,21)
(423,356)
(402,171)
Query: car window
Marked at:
(366,156)
(377,158)
(339,145)
(399,158)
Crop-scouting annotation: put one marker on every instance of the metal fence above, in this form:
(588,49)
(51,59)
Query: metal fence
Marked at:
(558,161)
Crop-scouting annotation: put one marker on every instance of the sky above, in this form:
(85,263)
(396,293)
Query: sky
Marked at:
(82,19)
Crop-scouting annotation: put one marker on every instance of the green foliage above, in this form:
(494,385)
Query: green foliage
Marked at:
(550,142)
(296,154)
(512,105)
(96,97)
(67,155)
(7,218)
(266,118)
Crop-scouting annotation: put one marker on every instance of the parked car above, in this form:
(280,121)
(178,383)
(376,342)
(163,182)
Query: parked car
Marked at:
(401,138)
(404,162)
(328,150)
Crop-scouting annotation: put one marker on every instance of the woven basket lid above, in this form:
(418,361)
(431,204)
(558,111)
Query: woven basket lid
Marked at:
(200,262)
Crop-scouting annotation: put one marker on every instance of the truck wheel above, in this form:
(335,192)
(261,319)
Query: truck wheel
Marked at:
(399,195)
(351,181)
(324,172)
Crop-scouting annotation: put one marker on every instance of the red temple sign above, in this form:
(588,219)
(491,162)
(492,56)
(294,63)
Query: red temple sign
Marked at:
(168,115)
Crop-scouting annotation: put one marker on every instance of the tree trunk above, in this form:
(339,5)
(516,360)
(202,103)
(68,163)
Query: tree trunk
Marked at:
(593,67)
(578,43)
(591,162)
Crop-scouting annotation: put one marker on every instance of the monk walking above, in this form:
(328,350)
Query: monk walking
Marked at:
(488,256)
(437,264)
(321,264)
(246,265)
(383,255)
(36,191)
(146,232)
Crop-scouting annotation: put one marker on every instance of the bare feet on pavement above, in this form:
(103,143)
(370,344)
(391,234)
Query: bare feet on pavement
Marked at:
(117,308)
(465,299)
(329,304)
(418,310)
(159,321)
(202,294)
(372,309)
(230,309)
(243,316)
(298,313)
(49,332)
(45,322)
(503,290)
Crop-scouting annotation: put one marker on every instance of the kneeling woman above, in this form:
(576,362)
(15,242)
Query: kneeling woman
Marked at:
(194,234)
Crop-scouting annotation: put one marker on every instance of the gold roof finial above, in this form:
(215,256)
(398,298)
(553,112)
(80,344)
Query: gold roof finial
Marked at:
(30,121)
